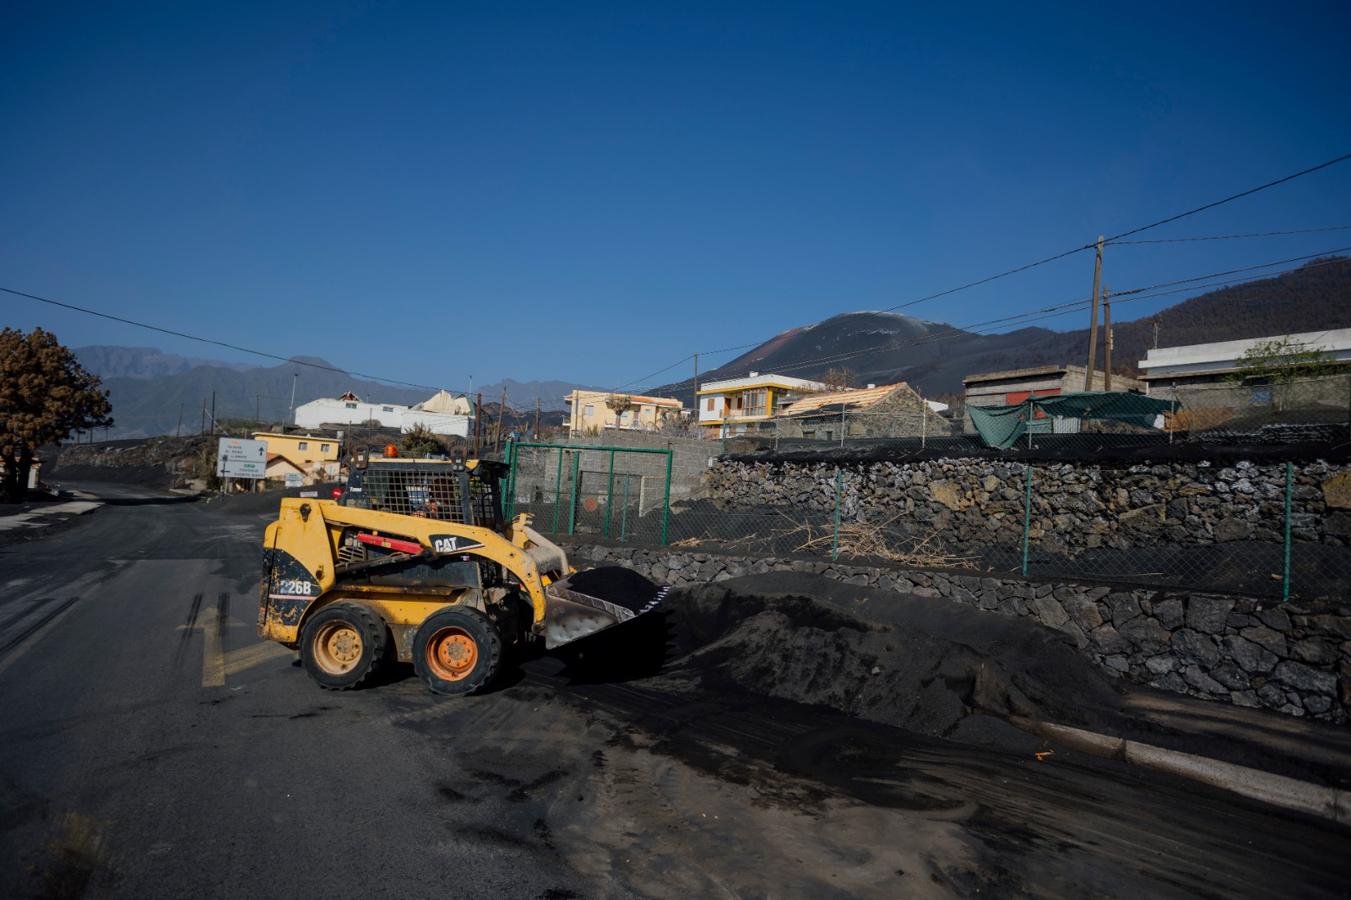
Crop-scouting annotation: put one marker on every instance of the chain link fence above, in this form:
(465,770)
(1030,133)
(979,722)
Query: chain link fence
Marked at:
(1091,502)
(618,494)
(1272,530)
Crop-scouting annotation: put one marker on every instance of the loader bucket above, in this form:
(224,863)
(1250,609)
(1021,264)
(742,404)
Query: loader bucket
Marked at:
(594,600)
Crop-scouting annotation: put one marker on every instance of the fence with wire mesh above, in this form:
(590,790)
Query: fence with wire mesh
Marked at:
(1270,529)
(606,493)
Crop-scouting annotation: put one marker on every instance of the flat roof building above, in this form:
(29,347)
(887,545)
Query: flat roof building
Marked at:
(1014,386)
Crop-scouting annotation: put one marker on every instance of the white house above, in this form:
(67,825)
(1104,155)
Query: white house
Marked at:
(442,413)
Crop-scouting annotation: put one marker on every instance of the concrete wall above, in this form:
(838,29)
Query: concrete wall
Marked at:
(1291,659)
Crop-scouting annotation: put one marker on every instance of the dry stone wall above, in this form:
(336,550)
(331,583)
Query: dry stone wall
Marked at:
(971,502)
(1284,657)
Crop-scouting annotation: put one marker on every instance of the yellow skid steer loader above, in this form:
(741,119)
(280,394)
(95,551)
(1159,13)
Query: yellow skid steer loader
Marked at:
(414,561)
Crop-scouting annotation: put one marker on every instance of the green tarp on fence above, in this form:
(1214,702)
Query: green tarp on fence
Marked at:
(1002,426)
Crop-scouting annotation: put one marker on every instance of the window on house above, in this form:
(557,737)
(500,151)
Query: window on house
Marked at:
(757,401)
(350,405)
(588,410)
(387,409)
(303,445)
(710,404)
(323,448)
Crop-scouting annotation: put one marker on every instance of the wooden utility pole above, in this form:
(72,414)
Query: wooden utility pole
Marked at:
(1156,334)
(1093,320)
(478,422)
(213,412)
(178,429)
(696,385)
(203,431)
(1107,338)
(497,429)
(537,408)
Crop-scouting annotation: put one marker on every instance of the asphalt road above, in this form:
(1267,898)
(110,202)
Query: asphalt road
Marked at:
(151,746)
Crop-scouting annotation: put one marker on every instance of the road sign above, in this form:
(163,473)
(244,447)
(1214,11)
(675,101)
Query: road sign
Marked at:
(239,458)
(294,479)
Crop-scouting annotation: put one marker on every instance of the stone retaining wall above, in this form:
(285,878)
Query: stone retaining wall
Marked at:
(969,503)
(1288,658)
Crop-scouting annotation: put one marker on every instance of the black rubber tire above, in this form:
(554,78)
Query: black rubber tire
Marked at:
(374,645)
(470,623)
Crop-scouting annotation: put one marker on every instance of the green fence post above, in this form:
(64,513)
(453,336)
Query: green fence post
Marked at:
(609,496)
(558,490)
(1027,517)
(1289,490)
(666,501)
(510,504)
(624,513)
(835,541)
(576,483)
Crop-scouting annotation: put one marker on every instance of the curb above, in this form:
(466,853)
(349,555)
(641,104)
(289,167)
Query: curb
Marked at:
(1278,790)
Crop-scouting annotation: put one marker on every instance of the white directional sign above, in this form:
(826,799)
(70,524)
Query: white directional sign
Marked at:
(238,458)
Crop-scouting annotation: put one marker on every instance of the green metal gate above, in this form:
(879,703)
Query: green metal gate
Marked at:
(613,494)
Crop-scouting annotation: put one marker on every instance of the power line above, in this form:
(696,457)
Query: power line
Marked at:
(1054,311)
(1248,193)
(989,278)
(1124,234)
(1115,238)
(1234,237)
(192,337)
(1279,262)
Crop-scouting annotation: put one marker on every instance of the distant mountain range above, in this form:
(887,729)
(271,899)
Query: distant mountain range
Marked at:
(158,393)
(885,347)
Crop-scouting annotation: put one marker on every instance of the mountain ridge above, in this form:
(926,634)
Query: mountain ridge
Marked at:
(935,357)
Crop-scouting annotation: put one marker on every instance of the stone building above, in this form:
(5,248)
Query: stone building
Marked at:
(882,411)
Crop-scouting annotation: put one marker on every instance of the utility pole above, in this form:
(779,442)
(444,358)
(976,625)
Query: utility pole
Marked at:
(1093,320)
(537,406)
(497,429)
(294,377)
(203,431)
(178,429)
(258,408)
(1156,334)
(213,412)
(1107,338)
(696,386)
(478,422)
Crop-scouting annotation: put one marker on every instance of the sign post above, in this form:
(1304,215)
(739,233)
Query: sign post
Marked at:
(240,458)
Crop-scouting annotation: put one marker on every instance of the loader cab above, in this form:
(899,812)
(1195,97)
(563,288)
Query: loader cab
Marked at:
(467,492)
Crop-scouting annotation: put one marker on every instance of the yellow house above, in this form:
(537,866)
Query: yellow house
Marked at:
(595,411)
(313,454)
(738,405)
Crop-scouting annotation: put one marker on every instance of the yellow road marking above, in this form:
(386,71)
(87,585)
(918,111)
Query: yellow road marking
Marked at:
(237,661)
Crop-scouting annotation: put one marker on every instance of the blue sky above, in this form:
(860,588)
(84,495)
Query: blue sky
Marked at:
(434,192)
